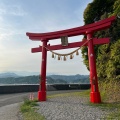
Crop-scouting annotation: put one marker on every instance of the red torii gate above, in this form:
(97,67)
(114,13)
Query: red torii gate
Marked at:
(83,30)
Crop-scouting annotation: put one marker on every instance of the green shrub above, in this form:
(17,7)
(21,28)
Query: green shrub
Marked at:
(110,90)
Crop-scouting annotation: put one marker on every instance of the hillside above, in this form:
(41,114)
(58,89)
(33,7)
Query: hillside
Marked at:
(20,80)
(52,79)
(8,74)
(72,78)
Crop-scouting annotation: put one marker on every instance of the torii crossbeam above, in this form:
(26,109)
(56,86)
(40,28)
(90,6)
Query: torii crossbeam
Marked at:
(83,30)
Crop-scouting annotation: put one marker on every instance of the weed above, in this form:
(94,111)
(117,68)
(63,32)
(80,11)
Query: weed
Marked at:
(29,111)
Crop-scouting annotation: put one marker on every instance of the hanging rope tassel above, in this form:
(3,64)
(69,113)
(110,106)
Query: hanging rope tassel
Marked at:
(58,57)
(71,56)
(64,58)
(52,55)
(77,53)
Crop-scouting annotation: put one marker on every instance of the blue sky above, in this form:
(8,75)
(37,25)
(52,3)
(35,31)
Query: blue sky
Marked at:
(20,16)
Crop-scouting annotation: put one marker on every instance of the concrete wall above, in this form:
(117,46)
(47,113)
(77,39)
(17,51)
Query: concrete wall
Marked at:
(5,89)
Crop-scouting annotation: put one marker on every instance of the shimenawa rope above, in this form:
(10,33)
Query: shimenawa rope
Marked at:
(65,55)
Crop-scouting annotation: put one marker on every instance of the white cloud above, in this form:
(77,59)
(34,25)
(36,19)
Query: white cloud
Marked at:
(15,10)
(8,29)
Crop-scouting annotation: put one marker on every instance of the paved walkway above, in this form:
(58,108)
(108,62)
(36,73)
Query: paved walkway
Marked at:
(10,112)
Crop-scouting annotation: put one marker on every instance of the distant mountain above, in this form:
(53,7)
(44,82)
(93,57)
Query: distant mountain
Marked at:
(26,73)
(20,80)
(8,74)
(55,81)
(71,78)
(12,78)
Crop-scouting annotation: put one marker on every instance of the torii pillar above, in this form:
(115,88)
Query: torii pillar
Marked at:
(95,94)
(42,86)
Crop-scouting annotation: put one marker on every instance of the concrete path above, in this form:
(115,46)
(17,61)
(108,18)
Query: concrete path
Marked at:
(10,112)
(7,99)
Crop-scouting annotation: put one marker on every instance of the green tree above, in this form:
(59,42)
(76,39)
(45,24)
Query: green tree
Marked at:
(108,55)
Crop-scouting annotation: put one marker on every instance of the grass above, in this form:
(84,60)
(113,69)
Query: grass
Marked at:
(114,109)
(28,110)
(114,116)
(83,94)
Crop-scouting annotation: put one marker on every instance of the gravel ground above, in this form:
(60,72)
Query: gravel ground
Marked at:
(70,108)
(10,112)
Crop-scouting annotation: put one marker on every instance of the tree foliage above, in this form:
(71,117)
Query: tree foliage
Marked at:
(108,55)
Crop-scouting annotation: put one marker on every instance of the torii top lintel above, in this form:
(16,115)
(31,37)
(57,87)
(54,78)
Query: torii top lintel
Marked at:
(100,25)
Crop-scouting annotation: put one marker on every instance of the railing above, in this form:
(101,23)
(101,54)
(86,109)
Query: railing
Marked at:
(18,88)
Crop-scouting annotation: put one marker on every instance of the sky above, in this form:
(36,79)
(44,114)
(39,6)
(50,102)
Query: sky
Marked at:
(20,16)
